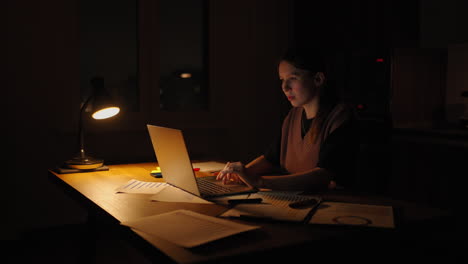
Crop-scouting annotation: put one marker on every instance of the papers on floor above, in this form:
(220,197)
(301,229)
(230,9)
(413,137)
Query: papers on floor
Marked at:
(275,205)
(135,186)
(336,213)
(187,228)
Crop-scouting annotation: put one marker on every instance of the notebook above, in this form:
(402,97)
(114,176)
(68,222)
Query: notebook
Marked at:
(176,166)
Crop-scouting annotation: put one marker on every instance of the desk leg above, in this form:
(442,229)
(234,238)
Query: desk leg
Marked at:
(89,238)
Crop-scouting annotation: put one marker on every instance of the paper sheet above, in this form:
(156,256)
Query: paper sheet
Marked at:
(135,186)
(186,228)
(173,194)
(267,211)
(354,214)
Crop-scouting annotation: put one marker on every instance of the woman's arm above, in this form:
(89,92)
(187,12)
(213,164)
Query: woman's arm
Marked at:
(312,180)
(316,178)
(260,166)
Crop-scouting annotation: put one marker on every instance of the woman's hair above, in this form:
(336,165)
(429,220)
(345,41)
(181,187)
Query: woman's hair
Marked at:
(315,61)
(306,60)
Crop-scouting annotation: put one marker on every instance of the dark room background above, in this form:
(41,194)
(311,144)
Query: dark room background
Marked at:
(401,63)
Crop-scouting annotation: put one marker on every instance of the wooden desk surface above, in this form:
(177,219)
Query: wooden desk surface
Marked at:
(99,188)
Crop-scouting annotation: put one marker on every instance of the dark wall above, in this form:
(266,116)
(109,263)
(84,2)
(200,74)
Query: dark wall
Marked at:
(43,98)
(357,24)
(408,149)
(42,78)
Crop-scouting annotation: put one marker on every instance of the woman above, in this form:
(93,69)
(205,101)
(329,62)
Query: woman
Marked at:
(317,147)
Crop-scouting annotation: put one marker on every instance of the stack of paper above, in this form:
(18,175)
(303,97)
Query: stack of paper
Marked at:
(162,192)
(136,186)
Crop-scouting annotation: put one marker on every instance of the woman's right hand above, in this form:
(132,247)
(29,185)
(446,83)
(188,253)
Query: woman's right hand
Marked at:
(236,173)
(228,175)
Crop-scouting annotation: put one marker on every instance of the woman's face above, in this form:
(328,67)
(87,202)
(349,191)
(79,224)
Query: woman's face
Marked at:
(297,84)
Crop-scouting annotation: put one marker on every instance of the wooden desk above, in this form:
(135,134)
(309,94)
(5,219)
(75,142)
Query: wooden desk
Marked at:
(271,242)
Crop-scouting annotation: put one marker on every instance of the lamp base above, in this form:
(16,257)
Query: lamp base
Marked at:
(65,170)
(83,162)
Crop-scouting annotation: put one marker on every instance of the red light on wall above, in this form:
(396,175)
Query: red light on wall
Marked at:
(379,60)
(360,106)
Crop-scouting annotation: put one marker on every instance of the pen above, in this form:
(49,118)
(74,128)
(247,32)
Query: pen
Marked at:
(244,201)
(313,210)
(255,218)
(304,203)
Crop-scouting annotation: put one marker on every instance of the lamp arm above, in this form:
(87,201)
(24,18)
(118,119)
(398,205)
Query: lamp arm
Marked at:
(80,126)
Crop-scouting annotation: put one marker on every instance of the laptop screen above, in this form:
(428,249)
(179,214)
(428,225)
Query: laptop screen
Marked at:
(173,158)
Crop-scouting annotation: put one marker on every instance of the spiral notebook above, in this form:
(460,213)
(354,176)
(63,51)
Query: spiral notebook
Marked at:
(275,206)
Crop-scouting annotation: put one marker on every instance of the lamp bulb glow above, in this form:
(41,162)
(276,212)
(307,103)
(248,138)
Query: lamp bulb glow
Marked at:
(185,75)
(106,112)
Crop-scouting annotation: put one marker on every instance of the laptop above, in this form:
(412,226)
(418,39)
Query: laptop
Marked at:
(176,166)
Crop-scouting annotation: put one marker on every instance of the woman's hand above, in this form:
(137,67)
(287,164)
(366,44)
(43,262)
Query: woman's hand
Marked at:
(235,172)
(228,176)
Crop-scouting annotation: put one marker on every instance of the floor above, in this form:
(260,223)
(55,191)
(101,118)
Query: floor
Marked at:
(64,244)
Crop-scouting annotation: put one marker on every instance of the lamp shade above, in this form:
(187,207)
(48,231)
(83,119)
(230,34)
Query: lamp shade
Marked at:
(106,112)
(102,105)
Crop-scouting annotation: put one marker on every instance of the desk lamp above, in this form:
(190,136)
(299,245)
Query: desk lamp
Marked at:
(99,103)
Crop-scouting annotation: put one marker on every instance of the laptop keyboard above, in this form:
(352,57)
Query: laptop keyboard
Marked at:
(209,187)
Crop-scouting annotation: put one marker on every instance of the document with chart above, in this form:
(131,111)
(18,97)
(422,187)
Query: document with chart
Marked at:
(336,213)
